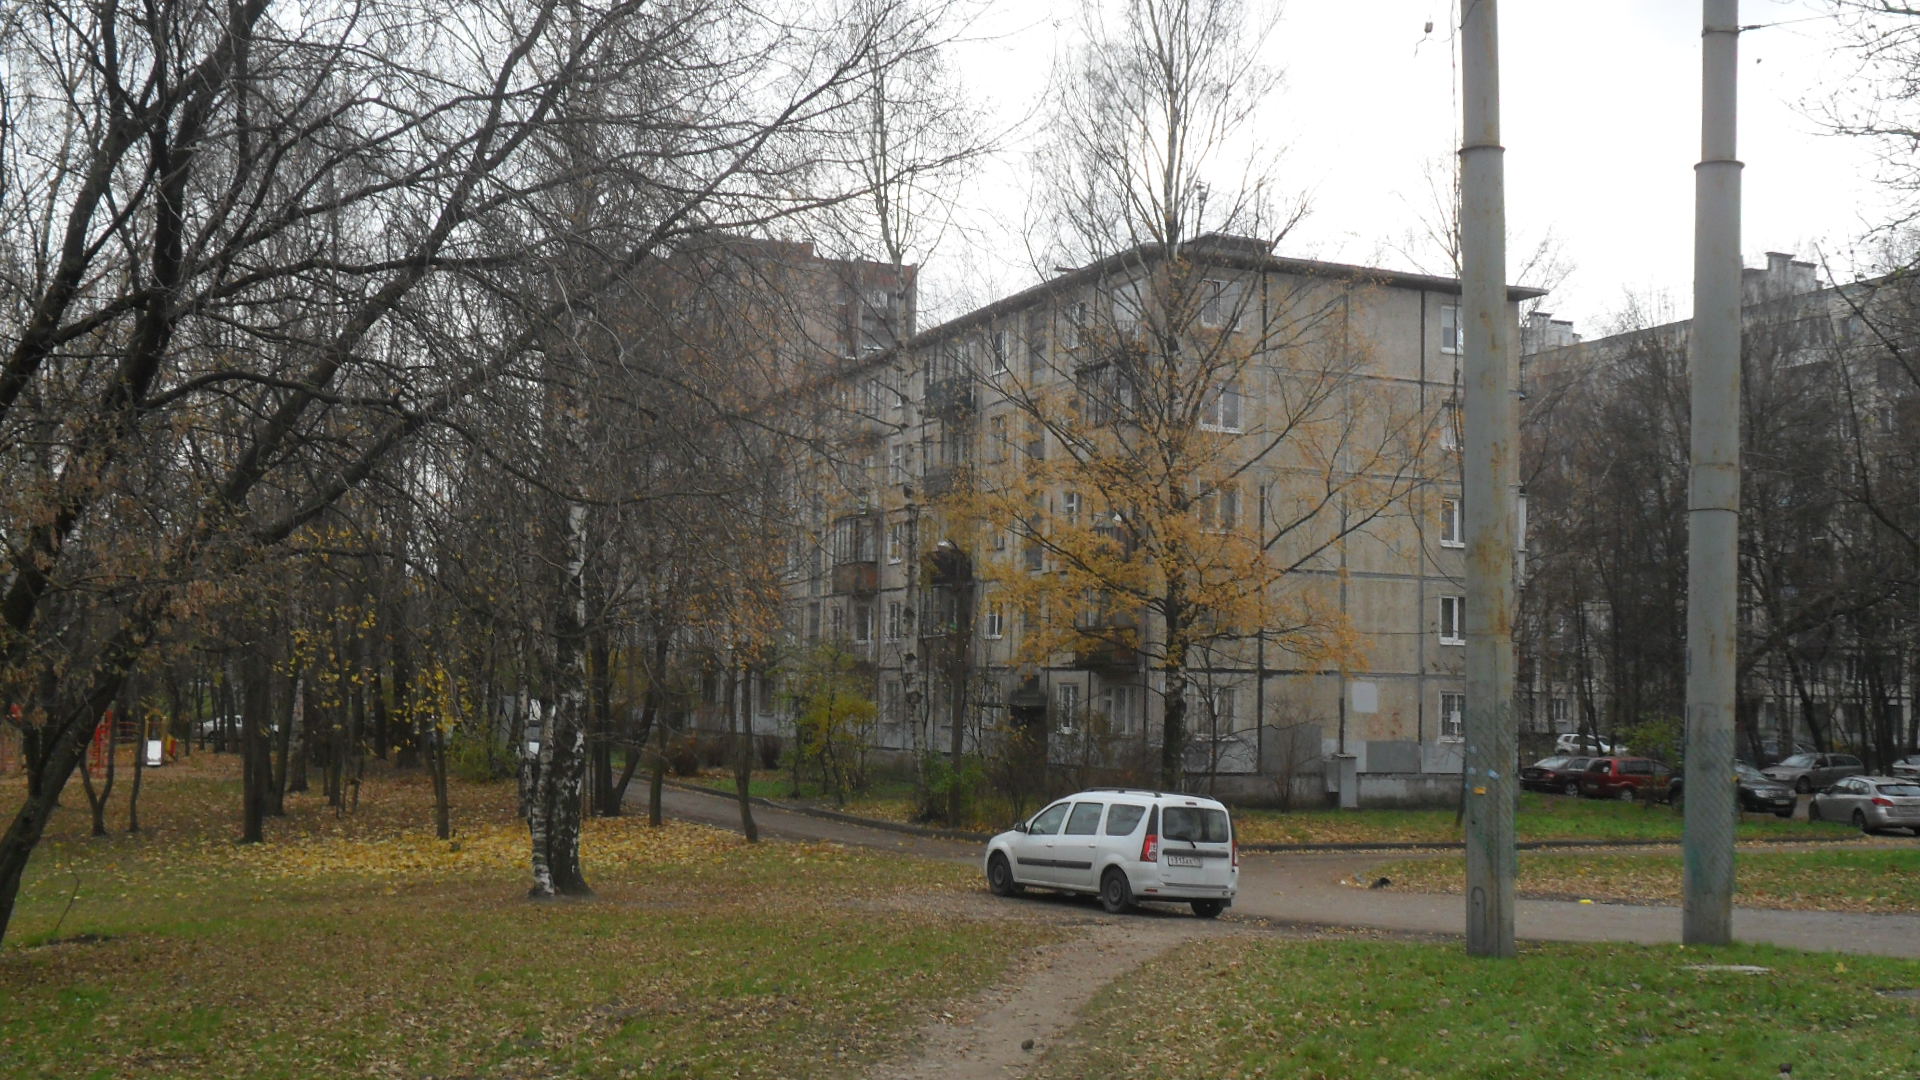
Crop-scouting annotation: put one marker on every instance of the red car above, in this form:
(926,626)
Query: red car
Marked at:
(1622,777)
(1556,775)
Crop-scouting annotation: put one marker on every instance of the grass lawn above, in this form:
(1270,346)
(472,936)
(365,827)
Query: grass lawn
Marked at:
(1393,1009)
(360,946)
(1845,878)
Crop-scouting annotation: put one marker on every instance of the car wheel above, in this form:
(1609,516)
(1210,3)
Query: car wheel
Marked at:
(1787,813)
(1813,811)
(1625,794)
(1571,787)
(1000,876)
(1115,894)
(1803,785)
(1860,822)
(1678,799)
(1209,909)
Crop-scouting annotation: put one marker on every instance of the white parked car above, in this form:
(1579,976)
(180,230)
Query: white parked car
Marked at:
(1124,845)
(1573,742)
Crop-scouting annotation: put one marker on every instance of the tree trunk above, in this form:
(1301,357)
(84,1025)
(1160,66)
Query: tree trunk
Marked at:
(297,737)
(97,803)
(256,764)
(740,725)
(657,783)
(553,804)
(141,735)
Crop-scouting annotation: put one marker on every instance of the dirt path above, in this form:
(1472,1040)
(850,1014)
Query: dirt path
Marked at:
(1001,1033)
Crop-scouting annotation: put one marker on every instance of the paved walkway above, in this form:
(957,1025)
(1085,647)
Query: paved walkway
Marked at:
(1307,889)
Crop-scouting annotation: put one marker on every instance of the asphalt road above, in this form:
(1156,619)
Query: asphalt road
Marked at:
(1310,889)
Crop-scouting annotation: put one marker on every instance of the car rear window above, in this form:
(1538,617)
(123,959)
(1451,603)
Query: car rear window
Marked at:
(1906,791)
(1637,767)
(1121,819)
(1199,824)
(1085,819)
(1798,761)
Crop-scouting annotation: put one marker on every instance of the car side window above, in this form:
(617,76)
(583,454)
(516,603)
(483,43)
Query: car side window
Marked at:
(1638,768)
(1047,822)
(1599,766)
(1085,819)
(1846,761)
(1121,819)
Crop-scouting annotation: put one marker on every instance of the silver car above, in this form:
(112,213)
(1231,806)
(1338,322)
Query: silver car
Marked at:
(1872,803)
(1908,767)
(1809,772)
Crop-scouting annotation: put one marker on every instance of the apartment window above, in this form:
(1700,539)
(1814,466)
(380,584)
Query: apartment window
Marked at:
(1220,509)
(999,345)
(1070,507)
(996,624)
(1073,324)
(1558,712)
(897,463)
(1121,711)
(1035,558)
(997,438)
(837,622)
(1450,425)
(1451,532)
(1221,411)
(1066,703)
(899,539)
(1217,302)
(1036,438)
(896,620)
(1453,620)
(862,622)
(1127,306)
(1453,714)
(999,539)
(1453,337)
(813,622)
(1225,703)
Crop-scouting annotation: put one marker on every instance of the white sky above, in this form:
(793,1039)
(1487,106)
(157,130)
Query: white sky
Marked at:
(1600,119)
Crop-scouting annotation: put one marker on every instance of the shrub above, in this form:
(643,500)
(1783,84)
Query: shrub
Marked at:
(478,760)
(683,756)
(951,796)
(714,750)
(769,745)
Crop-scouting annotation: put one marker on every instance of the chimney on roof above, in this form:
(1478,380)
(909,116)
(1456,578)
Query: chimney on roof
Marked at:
(1783,276)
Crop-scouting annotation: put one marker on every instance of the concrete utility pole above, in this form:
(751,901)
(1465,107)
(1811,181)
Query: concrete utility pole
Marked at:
(1713,500)
(1490,474)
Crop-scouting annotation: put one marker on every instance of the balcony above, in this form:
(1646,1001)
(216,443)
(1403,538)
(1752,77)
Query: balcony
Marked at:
(1106,656)
(856,578)
(945,479)
(950,398)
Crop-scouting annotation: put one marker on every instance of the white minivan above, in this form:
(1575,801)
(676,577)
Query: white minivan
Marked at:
(1124,845)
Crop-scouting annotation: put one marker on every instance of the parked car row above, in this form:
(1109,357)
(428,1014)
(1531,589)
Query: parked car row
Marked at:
(1839,791)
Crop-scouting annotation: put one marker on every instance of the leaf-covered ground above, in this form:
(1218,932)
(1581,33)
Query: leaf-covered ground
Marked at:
(1592,1012)
(1851,877)
(358,945)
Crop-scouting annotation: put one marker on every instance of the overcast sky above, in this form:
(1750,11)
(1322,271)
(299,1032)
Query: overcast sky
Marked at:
(1600,119)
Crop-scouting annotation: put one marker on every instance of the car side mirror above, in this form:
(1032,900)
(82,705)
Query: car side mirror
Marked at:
(1019,826)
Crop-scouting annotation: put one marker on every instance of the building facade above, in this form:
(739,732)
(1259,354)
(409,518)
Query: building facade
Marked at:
(1222,476)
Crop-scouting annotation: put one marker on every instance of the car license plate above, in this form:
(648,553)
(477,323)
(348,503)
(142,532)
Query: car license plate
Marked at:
(1183,860)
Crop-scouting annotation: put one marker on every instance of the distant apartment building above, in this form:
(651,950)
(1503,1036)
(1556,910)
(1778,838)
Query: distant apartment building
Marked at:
(969,473)
(1828,649)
